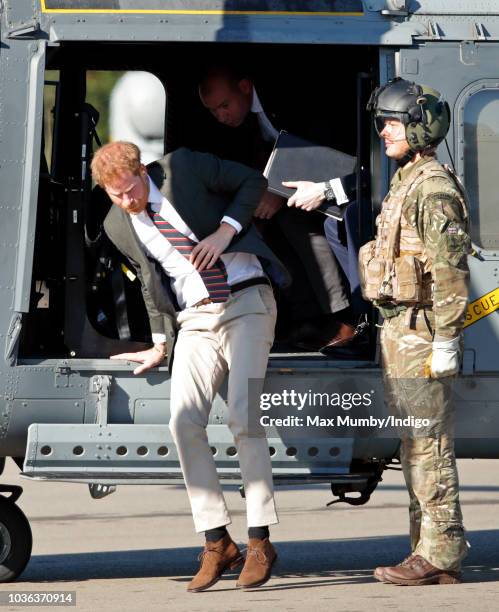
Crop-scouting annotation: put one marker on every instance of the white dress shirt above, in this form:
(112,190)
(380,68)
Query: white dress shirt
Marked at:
(269,133)
(185,280)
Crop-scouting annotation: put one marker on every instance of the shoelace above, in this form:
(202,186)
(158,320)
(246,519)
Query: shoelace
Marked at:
(202,555)
(407,560)
(416,561)
(261,557)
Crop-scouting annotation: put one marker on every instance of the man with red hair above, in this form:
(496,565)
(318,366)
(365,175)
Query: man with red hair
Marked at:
(188,215)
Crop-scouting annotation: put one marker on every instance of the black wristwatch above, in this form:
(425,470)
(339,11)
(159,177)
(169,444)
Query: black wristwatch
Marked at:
(329,192)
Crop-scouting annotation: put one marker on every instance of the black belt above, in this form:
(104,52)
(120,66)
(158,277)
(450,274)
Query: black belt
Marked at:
(251,282)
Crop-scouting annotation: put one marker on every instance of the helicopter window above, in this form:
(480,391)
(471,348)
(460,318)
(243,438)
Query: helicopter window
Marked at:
(131,106)
(137,108)
(481,150)
(99,84)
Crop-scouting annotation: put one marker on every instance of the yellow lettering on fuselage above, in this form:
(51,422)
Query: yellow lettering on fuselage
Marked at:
(482,307)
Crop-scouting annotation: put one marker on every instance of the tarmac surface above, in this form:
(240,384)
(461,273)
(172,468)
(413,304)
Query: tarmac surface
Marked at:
(136,549)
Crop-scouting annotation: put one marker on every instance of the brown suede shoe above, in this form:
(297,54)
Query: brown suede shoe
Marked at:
(344,336)
(260,556)
(379,572)
(215,559)
(418,571)
(312,334)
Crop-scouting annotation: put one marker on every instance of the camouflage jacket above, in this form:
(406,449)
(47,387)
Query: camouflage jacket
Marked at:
(434,209)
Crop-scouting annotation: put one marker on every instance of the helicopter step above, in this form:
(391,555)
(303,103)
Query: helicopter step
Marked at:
(113,454)
(106,454)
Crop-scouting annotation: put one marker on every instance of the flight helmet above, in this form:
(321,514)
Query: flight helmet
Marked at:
(421,109)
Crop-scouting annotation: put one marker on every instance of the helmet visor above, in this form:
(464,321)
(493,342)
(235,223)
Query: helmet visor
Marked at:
(381,118)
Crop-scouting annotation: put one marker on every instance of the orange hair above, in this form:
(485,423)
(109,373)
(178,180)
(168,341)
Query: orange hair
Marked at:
(113,159)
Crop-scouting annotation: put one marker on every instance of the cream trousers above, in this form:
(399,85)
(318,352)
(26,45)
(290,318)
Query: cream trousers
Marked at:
(216,340)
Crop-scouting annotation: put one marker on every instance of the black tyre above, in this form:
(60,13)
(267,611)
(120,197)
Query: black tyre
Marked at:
(15,541)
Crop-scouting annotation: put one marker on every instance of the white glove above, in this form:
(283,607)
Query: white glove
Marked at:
(445,357)
(308,195)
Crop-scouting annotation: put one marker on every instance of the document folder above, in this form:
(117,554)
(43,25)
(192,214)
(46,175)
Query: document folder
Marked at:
(296,159)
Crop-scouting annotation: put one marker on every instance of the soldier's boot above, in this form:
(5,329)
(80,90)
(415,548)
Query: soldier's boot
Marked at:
(418,571)
(379,572)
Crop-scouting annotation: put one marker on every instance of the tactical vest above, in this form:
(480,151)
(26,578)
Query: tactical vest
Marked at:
(394,267)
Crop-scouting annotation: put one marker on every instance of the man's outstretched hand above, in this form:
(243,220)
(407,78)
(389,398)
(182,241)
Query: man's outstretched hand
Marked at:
(308,195)
(149,359)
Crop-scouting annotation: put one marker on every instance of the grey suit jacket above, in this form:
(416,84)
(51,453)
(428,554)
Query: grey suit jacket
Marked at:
(202,188)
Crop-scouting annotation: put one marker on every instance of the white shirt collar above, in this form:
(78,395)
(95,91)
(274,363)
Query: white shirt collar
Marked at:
(256,105)
(268,131)
(155,195)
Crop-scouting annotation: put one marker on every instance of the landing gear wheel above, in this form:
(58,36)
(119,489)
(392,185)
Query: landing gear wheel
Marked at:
(15,541)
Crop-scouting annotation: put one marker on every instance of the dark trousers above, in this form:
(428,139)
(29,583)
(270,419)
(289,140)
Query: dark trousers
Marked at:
(343,239)
(318,287)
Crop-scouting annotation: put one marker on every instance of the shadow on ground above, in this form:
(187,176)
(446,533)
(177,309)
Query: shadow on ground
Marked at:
(311,562)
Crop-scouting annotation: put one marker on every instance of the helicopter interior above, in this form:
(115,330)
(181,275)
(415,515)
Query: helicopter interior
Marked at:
(85,300)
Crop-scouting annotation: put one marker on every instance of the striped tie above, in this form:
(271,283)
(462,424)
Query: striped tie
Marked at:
(215,279)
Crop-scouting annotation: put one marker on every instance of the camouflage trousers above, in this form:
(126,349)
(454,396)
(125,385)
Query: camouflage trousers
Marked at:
(427,454)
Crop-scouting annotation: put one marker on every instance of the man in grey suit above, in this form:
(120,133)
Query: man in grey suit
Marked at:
(188,215)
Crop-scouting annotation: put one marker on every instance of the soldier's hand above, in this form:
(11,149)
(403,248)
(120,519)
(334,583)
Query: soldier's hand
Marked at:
(149,359)
(207,251)
(308,195)
(445,358)
(269,205)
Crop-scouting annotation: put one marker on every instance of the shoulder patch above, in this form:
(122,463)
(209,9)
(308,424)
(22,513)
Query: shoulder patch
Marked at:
(447,203)
(439,199)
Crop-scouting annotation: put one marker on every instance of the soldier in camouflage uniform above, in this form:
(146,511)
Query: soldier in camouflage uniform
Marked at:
(416,273)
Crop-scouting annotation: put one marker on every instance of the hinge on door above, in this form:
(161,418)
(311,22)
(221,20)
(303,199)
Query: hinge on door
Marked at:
(27,31)
(389,8)
(434,30)
(478,31)
(100,385)
(396,8)
(13,336)
(468,52)
(62,374)
(468,362)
